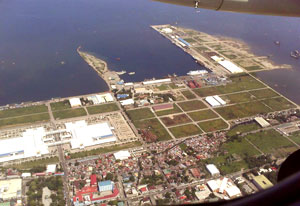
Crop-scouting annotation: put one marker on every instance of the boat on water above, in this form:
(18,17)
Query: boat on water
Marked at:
(131,73)
(295,54)
(277,42)
(121,72)
(197,72)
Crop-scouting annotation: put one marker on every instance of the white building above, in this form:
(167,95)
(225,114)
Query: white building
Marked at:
(233,191)
(75,102)
(228,65)
(157,81)
(262,122)
(212,101)
(127,102)
(51,168)
(213,170)
(122,155)
(10,189)
(219,99)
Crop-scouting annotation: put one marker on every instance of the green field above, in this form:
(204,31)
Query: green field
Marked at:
(188,94)
(202,115)
(23,111)
(70,113)
(138,114)
(104,150)
(239,97)
(278,103)
(103,108)
(56,106)
(155,127)
(192,105)
(175,110)
(296,137)
(185,130)
(189,40)
(242,110)
(213,125)
(163,87)
(24,120)
(252,68)
(271,142)
(263,93)
(239,83)
(175,120)
(35,163)
(242,128)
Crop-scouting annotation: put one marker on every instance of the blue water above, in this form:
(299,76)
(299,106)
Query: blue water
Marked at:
(38,41)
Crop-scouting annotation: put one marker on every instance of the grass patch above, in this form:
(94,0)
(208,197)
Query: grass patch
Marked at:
(242,128)
(242,110)
(175,110)
(238,98)
(23,111)
(264,93)
(163,87)
(175,120)
(278,103)
(35,163)
(185,130)
(25,119)
(252,68)
(155,127)
(64,114)
(296,137)
(174,86)
(189,40)
(138,114)
(183,146)
(188,94)
(56,106)
(213,125)
(192,105)
(270,141)
(103,108)
(104,150)
(202,115)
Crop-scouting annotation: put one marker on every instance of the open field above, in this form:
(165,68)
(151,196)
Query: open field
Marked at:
(185,130)
(213,125)
(239,83)
(64,114)
(35,163)
(175,120)
(243,128)
(238,98)
(155,127)
(24,120)
(192,105)
(202,115)
(104,150)
(138,114)
(175,110)
(163,87)
(242,110)
(278,103)
(103,108)
(23,111)
(188,94)
(296,137)
(56,106)
(263,93)
(271,142)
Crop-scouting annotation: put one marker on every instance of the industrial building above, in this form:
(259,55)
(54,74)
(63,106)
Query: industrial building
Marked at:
(228,65)
(122,155)
(261,182)
(105,186)
(10,189)
(262,122)
(127,102)
(157,81)
(213,170)
(101,98)
(75,102)
(215,101)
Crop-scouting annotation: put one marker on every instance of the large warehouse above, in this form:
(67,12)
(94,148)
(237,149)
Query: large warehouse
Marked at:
(84,135)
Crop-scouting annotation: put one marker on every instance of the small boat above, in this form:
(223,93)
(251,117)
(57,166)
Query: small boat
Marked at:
(118,58)
(121,72)
(277,42)
(131,73)
(295,54)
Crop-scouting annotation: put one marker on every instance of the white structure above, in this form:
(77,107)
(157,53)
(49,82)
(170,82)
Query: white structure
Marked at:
(51,168)
(262,122)
(157,81)
(101,98)
(213,170)
(127,102)
(26,174)
(122,155)
(231,67)
(84,135)
(233,191)
(216,58)
(30,144)
(213,185)
(11,188)
(223,184)
(142,90)
(219,99)
(75,102)
(212,101)
(167,30)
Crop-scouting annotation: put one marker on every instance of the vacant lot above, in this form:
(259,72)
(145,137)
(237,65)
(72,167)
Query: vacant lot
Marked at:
(103,108)
(278,104)
(296,137)
(175,110)
(239,97)
(138,114)
(185,130)
(163,87)
(23,111)
(64,114)
(243,128)
(56,106)
(36,163)
(188,94)
(192,105)
(263,93)
(213,125)
(270,141)
(24,120)
(155,127)
(242,110)
(202,115)
(175,120)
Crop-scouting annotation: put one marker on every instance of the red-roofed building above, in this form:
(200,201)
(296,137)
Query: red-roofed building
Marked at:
(163,107)
(93,180)
(90,194)
(195,172)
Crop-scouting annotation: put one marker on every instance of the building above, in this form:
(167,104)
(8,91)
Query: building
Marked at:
(167,30)
(233,192)
(212,101)
(262,122)
(157,81)
(213,185)
(51,168)
(261,182)
(219,99)
(213,170)
(122,155)
(228,65)
(127,102)
(101,98)
(163,107)
(105,186)
(10,189)
(75,102)
(143,90)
